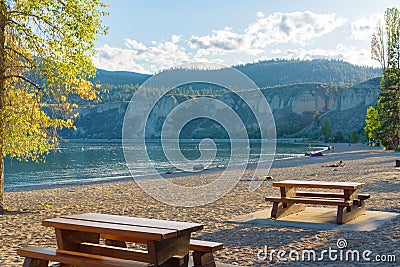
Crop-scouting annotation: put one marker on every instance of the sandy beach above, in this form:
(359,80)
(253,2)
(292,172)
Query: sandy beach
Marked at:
(21,225)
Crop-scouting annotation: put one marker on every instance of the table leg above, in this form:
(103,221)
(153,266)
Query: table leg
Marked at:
(345,214)
(203,259)
(71,240)
(350,194)
(29,262)
(171,252)
(279,211)
(282,209)
(287,192)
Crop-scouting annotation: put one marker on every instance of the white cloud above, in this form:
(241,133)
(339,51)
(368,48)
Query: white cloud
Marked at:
(363,27)
(276,51)
(175,38)
(134,45)
(114,58)
(278,28)
(260,14)
(349,54)
(220,41)
(141,58)
(295,27)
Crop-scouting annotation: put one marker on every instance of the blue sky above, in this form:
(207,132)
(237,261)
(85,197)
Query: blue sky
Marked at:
(149,36)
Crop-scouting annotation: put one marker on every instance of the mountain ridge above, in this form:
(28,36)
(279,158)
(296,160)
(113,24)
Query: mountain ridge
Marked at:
(274,73)
(297,110)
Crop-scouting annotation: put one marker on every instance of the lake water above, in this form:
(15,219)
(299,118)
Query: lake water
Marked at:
(79,162)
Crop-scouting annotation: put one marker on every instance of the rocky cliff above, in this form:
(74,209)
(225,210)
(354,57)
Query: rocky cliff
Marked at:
(296,108)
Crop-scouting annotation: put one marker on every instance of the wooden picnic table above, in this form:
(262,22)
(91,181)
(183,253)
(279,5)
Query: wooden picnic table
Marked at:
(167,241)
(350,202)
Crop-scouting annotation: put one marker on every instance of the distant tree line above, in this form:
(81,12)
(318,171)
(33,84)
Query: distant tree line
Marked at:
(125,92)
(332,72)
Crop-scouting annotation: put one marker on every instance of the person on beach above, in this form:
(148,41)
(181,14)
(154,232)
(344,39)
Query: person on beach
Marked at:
(339,164)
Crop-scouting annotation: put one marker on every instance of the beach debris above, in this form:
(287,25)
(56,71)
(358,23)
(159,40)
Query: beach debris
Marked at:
(198,167)
(261,178)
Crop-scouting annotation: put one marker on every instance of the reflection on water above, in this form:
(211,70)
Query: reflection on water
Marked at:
(103,160)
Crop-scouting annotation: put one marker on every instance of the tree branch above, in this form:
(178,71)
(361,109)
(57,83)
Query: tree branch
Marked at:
(18,53)
(26,80)
(38,18)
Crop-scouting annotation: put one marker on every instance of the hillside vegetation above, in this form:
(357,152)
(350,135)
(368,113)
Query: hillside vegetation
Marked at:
(120,86)
(283,72)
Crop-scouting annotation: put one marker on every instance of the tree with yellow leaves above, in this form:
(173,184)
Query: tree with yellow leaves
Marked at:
(46,48)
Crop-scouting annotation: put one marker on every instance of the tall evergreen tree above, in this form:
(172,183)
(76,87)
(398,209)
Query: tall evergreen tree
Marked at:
(385,48)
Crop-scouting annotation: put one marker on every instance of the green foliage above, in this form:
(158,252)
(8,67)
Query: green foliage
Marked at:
(326,128)
(385,48)
(338,137)
(286,128)
(333,72)
(46,48)
(371,124)
(353,138)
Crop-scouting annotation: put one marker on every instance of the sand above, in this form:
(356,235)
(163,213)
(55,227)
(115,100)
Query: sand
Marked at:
(21,225)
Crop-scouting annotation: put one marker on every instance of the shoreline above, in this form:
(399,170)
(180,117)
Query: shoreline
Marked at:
(22,222)
(122,178)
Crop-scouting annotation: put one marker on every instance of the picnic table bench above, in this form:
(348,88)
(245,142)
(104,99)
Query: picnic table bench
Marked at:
(350,202)
(78,243)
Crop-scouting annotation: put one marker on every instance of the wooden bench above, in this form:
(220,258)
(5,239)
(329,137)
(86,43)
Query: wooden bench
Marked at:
(350,203)
(202,250)
(40,257)
(310,200)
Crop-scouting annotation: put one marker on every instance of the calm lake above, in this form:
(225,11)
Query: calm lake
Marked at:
(91,161)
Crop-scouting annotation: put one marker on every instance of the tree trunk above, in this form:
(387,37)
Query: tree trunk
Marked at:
(2,203)
(3,19)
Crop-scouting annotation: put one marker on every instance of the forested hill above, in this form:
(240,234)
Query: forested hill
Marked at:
(283,72)
(120,77)
(273,73)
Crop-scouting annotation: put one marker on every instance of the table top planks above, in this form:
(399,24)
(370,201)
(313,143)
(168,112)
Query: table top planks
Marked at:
(319,184)
(141,228)
(147,233)
(134,221)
